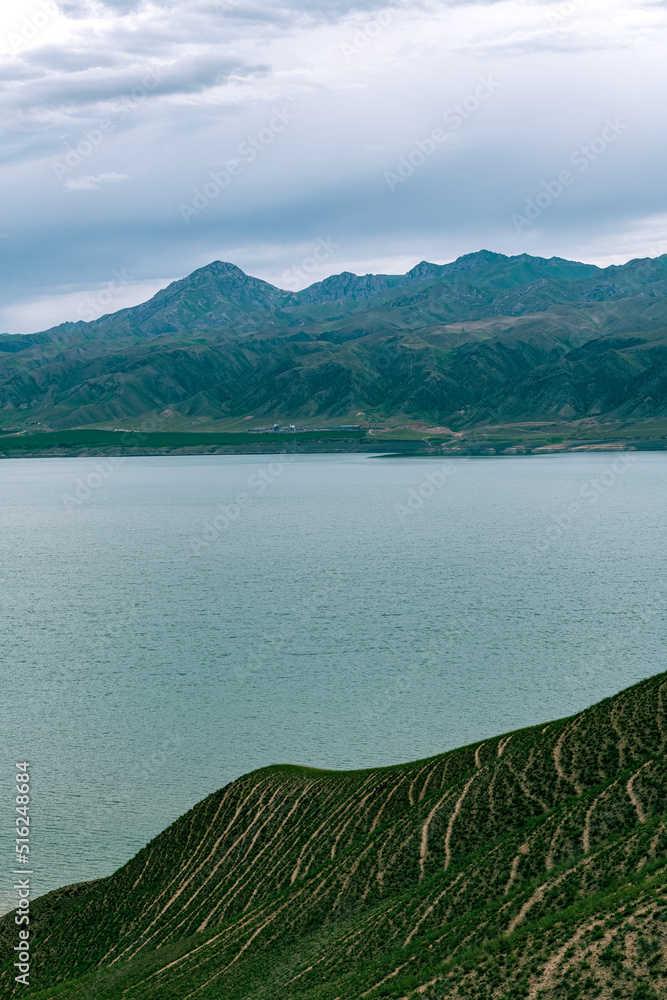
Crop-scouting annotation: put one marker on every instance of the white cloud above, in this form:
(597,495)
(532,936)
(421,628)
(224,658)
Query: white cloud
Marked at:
(40,312)
(92,183)
(366,82)
(646,238)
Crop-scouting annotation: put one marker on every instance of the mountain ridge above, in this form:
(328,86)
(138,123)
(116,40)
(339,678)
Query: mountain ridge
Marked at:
(350,284)
(482,340)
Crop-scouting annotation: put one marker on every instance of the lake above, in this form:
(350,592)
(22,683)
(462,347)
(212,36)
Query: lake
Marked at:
(169,624)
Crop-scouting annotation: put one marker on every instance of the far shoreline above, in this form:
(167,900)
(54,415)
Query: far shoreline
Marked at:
(442,454)
(415,441)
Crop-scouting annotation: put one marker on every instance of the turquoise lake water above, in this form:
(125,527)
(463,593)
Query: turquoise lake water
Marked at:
(168,624)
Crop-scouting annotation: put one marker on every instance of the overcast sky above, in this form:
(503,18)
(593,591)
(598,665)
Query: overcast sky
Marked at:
(141,140)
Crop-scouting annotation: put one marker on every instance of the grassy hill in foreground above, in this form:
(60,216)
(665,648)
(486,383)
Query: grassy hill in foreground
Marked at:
(531,865)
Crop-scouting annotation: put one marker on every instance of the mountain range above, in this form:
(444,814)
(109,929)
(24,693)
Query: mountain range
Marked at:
(484,341)
(531,865)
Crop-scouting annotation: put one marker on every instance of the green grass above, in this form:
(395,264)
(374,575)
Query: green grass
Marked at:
(296,883)
(101,439)
(403,440)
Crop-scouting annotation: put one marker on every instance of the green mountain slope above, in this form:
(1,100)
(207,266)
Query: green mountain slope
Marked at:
(487,339)
(530,865)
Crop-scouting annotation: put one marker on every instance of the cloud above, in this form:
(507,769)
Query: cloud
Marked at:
(238,10)
(183,87)
(48,309)
(52,57)
(97,86)
(88,8)
(92,183)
